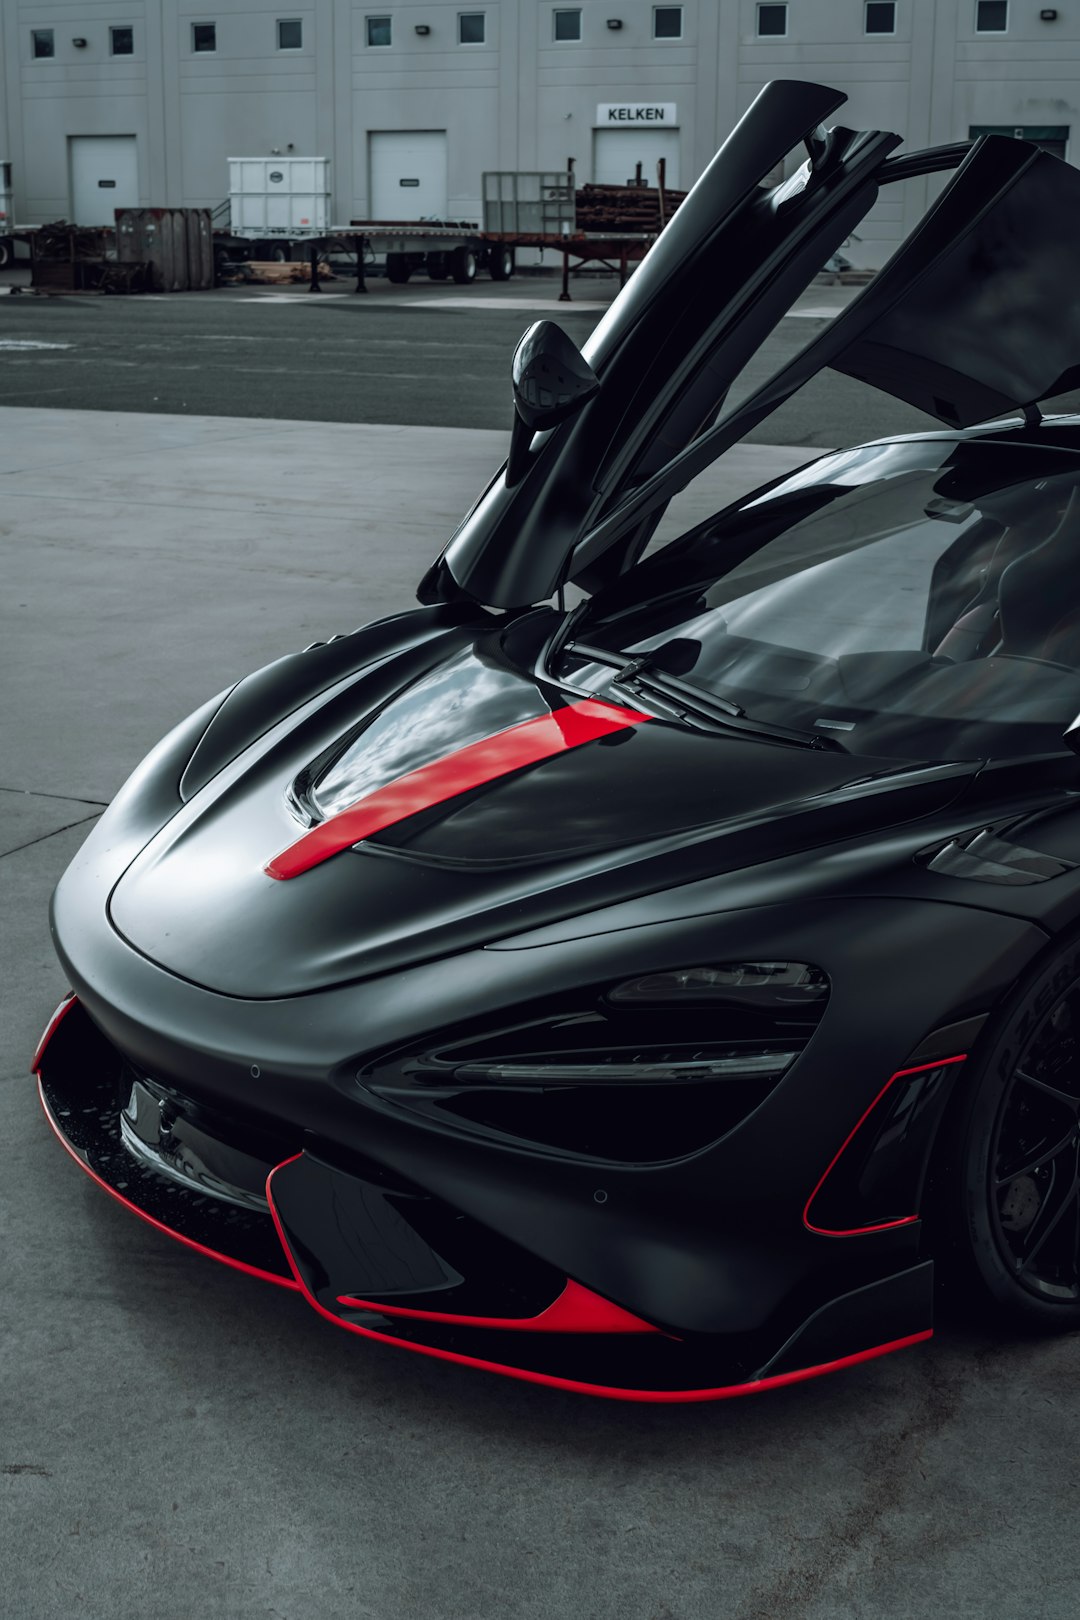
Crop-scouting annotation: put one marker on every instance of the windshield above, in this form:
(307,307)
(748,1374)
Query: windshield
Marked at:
(918,600)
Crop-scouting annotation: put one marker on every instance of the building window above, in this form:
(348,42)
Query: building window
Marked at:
(880,17)
(42,43)
(290,34)
(667,22)
(991,16)
(204,36)
(772,22)
(378,30)
(121,41)
(471,27)
(568,24)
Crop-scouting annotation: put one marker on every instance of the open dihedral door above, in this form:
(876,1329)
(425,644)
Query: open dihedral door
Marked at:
(973,315)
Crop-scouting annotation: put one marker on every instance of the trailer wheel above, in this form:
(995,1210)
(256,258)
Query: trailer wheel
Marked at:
(6,254)
(398,268)
(463,265)
(438,267)
(501,263)
(277,252)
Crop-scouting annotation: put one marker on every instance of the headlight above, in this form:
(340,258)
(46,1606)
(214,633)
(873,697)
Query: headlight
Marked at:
(742,984)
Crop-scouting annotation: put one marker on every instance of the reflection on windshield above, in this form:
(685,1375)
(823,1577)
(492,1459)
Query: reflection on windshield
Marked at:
(922,598)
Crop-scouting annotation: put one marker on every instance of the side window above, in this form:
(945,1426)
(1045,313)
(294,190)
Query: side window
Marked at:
(566,25)
(290,34)
(121,41)
(378,30)
(204,37)
(42,42)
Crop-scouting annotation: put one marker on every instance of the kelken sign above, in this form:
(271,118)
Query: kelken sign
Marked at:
(635,112)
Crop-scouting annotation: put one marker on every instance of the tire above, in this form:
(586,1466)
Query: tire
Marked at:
(6,253)
(438,266)
(501,263)
(463,265)
(1014,1176)
(398,268)
(279,252)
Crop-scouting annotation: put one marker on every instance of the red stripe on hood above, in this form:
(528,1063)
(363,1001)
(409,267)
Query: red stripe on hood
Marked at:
(466,768)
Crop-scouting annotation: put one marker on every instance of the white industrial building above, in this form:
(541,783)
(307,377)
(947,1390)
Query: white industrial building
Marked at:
(123,102)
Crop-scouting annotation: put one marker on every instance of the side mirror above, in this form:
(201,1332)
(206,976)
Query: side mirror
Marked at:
(552,379)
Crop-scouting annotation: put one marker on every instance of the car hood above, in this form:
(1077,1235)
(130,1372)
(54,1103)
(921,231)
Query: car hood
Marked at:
(464,838)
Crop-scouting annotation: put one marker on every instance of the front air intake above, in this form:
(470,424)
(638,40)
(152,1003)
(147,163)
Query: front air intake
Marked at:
(626,1077)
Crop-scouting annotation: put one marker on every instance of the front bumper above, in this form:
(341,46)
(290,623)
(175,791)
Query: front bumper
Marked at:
(385,1259)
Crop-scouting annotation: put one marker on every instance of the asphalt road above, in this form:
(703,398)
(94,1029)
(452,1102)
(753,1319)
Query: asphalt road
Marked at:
(397,355)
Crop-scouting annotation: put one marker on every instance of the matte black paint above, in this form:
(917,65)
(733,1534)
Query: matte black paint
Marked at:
(266,1016)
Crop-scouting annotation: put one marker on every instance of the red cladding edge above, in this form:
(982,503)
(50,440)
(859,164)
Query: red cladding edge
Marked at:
(159,1226)
(459,772)
(577,1310)
(70,1000)
(882,1226)
(660,1396)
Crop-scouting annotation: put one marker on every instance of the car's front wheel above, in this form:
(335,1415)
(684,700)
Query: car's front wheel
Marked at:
(1016,1155)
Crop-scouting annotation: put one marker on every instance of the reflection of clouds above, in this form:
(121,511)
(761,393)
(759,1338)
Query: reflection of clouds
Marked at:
(455,705)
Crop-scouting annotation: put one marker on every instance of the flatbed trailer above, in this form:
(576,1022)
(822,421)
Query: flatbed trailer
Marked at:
(445,251)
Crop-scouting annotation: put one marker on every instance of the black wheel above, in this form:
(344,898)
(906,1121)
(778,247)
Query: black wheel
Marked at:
(463,265)
(6,254)
(438,266)
(279,253)
(1018,1154)
(398,268)
(501,263)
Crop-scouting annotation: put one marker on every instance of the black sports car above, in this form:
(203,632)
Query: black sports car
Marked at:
(642,996)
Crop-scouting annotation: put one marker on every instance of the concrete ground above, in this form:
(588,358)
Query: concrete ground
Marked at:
(427,353)
(178,1441)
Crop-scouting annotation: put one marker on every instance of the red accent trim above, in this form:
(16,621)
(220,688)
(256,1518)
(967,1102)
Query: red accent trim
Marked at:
(883,1226)
(63,1008)
(662,1396)
(189,1243)
(459,772)
(576,1310)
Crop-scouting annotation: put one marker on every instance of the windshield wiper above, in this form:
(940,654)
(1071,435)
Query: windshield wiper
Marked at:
(640,674)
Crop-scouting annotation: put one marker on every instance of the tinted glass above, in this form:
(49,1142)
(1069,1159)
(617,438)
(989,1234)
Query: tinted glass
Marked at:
(460,703)
(204,36)
(568,25)
(122,41)
(378,30)
(290,34)
(772,20)
(471,28)
(41,41)
(919,599)
(667,22)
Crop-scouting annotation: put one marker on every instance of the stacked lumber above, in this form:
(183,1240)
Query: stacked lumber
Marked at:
(270,272)
(624,208)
